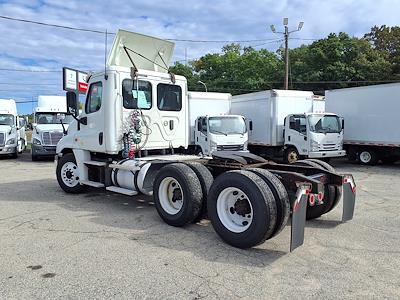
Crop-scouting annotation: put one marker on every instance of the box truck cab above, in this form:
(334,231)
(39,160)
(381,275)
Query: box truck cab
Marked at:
(212,128)
(282,123)
(313,135)
(47,129)
(220,133)
(12,129)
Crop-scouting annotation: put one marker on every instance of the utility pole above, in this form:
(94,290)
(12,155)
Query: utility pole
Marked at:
(286,34)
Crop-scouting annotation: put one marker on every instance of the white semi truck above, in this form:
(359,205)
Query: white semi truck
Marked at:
(212,128)
(371,114)
(12,129)
(136,105)
(282,122)
(47,129)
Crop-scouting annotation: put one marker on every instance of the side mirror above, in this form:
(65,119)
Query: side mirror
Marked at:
(251,125)
(198,124)
(72,104)
(342,123)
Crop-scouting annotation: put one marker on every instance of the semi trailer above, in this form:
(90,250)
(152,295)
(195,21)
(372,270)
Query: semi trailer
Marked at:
(47,129)
(282,123)
(12,129)
(247,198)
(370,115)
(212,127)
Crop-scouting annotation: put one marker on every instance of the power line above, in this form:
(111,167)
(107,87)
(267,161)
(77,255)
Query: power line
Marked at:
(34,84)
(113,33)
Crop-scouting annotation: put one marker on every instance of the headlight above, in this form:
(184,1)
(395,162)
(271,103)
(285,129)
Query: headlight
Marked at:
(10,142)
(213,146)
(314,145)
(36,142)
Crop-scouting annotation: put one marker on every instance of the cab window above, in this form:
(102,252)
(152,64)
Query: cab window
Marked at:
(298,123)
(136,94)
(169,97)
(94,98)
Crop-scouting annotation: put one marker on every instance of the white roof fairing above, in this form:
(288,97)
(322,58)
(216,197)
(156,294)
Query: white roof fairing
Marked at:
(146,51)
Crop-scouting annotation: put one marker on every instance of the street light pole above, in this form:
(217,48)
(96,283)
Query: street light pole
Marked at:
(205,86)
(286,34)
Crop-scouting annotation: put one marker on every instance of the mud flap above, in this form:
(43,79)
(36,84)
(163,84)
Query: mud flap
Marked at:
(299,216)
(349,197)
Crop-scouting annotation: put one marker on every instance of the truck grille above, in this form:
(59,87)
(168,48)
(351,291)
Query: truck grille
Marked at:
(2,138)
(230,147)
(329,147)
(51,138)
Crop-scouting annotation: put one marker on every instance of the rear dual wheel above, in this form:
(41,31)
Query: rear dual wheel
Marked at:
(331,192)
(243,208)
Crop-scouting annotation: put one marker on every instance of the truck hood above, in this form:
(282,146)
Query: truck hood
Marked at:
(157,51)
(230,139)
(50,127)
(5,128)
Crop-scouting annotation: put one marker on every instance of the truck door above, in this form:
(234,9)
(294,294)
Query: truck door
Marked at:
(296,133)
(201,135)
(91,134)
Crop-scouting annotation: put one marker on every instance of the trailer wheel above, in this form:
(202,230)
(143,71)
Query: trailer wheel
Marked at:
(242,208)
(280,195)
(367,157)
(291,155)
(316,211)
(177,194)
(206,180)
(68,174)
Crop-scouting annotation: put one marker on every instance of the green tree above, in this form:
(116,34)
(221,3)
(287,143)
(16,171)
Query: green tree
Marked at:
(387,40)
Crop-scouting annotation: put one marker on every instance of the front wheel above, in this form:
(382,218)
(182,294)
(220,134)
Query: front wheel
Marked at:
(291,155)
(68,174)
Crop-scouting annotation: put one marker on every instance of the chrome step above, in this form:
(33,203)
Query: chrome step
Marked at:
(92,183)
(120,190)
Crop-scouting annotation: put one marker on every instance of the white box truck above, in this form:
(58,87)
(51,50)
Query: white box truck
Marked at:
(370,114)
(12,129)
(212,128)
(47,129)
(282,122)
(135,104)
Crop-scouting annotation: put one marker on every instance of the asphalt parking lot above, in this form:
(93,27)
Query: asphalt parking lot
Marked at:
(104,245)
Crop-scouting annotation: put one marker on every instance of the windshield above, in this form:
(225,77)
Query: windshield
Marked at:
(51,118)
(6,119)
(324,124)
(227,125)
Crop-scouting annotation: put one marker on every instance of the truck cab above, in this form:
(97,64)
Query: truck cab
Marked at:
(47,129)
(219,133)
(12,129)
(313,135)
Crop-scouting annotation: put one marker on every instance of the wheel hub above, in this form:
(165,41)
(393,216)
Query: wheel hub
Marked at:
(242,207)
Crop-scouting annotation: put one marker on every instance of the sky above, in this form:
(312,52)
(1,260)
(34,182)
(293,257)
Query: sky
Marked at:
(41,49)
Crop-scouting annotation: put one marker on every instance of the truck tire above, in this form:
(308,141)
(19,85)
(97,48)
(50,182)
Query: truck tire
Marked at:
(15,155)
(334,190)
(68,175)
(316,211)
(177,194)
(280,195)
(206,180)
(291,155)
(367,157)
(326,166)
(242,208)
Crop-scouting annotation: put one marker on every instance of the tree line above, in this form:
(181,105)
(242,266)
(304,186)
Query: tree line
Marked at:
(337,61)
